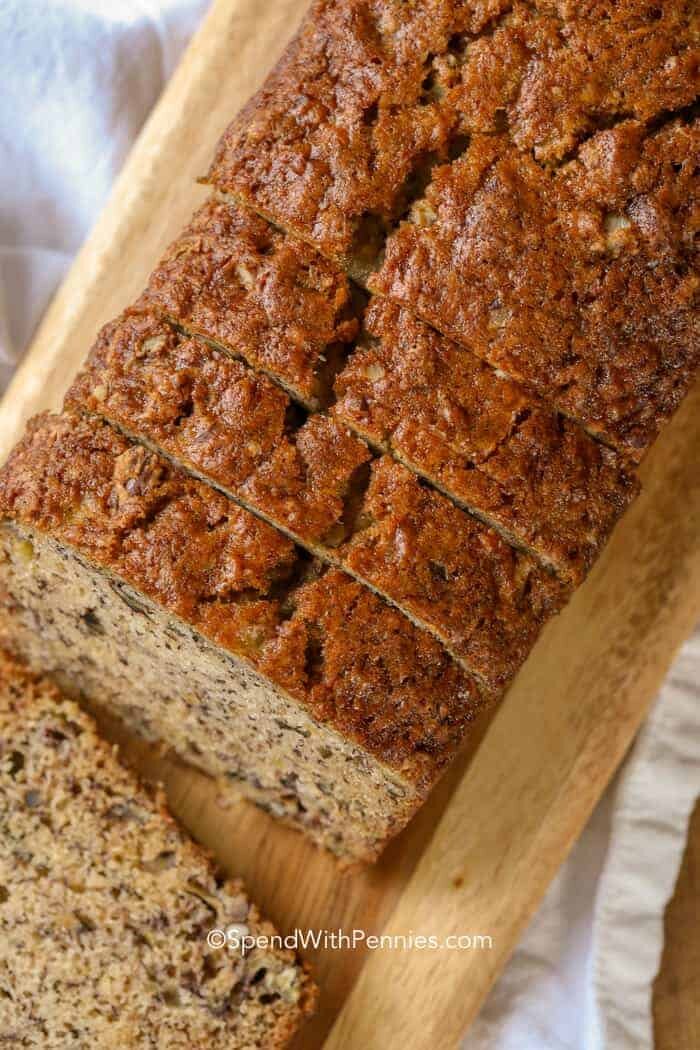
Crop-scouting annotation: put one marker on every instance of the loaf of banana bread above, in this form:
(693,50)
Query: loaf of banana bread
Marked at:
(139,588)
(518,175)
(105,905)
(485,600)
(522,167)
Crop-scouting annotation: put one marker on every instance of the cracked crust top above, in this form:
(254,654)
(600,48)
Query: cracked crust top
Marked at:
(582,283)
(483,439)
(371,93)
(222,420)
(354,662)
(483,599)
(270,300)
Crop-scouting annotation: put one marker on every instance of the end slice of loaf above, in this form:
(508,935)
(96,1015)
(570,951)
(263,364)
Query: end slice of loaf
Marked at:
(146,591)
(105,905)
(514,173)
(367,98)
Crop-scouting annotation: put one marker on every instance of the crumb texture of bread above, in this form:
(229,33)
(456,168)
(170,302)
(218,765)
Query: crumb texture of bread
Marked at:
(105,905)
(264,297)
(483,439)
(307,636)
(94,633)
(368,514)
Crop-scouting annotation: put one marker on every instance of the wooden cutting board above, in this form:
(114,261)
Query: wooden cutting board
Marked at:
(479,857)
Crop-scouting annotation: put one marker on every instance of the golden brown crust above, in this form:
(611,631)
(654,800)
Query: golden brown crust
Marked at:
(370,91)
(487,600)
(483,439)
(355,663)
(448,572)
(221,419)
(573,276)
(270,300)
(582,283)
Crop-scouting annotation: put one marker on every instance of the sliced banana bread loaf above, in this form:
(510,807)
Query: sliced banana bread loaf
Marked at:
(485,600)
(483,440)
(548,192)
(105,905)
(146,591)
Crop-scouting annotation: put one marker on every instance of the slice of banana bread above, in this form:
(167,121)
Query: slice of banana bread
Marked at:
(277,303)
(483,599)
(105,905)
(482,439)
(142,589)
(225,421)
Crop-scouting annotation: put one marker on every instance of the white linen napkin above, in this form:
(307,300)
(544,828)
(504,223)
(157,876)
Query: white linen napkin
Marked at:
(79,78)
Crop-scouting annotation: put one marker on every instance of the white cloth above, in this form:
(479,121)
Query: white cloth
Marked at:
(79,77)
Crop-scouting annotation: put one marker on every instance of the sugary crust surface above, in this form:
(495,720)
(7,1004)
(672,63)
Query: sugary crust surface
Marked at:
(274,302)
(371,92)
(106,904)
(483,600)
(217,416)
(354,662)
(582,283)
(482,438)
(488,600)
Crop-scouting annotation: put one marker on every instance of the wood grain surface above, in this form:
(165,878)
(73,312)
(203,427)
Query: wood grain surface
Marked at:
(479,857)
